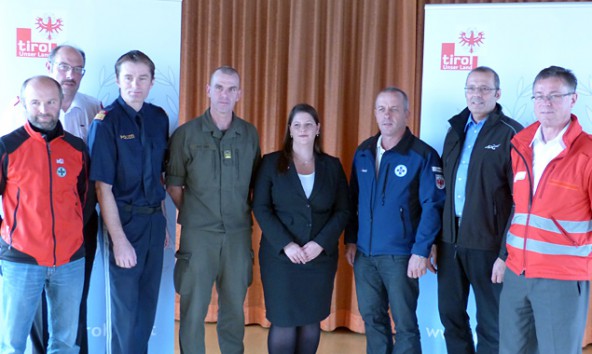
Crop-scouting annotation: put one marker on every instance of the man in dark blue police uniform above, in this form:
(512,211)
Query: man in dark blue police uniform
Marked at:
(127,143)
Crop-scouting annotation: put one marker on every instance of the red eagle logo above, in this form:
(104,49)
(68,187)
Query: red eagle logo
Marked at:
(471,40)
(48,25)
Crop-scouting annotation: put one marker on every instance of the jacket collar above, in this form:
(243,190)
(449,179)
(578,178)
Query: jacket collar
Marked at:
(209,126)
(402,147)
(319,179)
(459,121)
(128,109)
(525,137)
(40,136)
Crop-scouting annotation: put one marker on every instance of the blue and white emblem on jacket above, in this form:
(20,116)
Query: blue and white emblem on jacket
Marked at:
(401,170)
(61,171)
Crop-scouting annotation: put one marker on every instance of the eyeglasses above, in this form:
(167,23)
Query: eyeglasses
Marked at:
(64,68)
(480,89)
(554,98)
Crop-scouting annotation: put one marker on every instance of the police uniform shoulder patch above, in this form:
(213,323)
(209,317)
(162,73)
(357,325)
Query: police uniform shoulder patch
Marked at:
(101,114)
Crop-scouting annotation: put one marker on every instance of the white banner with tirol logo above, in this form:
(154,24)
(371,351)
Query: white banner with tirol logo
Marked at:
(517,41)
(104,30)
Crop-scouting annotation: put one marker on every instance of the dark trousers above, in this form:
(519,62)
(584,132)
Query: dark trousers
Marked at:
(134,291)
(39,331)
(459,269)
(205,258)
(382,282)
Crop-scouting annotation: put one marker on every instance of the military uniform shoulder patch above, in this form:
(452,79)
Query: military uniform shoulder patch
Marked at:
(101,114)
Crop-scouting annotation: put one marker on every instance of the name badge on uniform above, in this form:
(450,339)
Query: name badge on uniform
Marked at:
(227,154)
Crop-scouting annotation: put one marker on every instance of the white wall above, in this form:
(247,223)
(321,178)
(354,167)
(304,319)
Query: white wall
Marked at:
(518,40)
(104,30)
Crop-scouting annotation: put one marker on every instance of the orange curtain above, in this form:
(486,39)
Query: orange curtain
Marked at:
(333,54)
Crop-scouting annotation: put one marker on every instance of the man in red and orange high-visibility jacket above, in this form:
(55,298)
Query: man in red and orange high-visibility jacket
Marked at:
(44,186)
(544,300)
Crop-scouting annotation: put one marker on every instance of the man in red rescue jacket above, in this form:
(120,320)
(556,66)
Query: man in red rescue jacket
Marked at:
(544,300)
(43,183)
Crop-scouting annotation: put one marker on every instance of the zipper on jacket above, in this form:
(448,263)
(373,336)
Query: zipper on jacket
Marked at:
(548,170)
(372,201)
(495,221)
(454,224)
(383,193)
(371,205)
(550,167)
(18,203)
(51,203)
(530,197)
(454,227)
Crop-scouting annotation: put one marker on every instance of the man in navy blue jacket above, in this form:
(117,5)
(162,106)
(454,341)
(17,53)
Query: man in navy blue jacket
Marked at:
(397,192)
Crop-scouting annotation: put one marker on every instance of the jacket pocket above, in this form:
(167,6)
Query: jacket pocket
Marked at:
(403,223)
(564,232)
(250,269)
(496,221)
(15,216)
(204,163)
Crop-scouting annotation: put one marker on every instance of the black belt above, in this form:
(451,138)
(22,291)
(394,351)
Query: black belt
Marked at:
(139,209)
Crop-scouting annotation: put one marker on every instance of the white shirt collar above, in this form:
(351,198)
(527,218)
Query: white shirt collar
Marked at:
(538,137)
(379,152)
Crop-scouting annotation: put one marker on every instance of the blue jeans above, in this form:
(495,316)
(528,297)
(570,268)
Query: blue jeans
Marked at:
(381,281)
(22,285)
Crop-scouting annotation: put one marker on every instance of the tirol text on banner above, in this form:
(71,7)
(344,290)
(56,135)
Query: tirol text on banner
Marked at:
(28,34)
(509,39)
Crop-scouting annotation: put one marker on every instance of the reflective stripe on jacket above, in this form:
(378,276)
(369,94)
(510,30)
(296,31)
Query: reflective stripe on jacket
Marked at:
(551,231)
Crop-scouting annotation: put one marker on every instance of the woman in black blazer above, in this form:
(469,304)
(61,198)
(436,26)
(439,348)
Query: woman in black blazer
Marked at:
(301,203)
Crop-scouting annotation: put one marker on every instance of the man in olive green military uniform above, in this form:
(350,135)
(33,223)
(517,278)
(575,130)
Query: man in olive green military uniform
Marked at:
(212,162)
